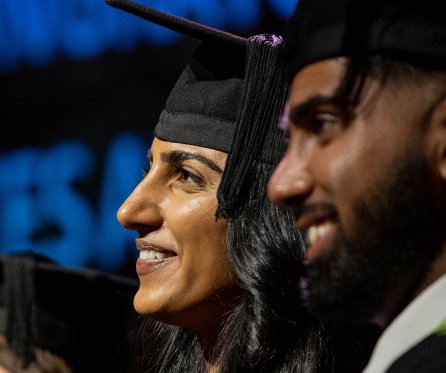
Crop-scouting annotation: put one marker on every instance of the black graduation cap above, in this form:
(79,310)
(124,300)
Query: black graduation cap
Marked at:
(229,98)
(84,316)
(410,31)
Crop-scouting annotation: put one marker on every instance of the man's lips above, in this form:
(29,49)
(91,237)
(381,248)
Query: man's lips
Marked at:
(320,236)
(319,221)
(314,214)
(317,231)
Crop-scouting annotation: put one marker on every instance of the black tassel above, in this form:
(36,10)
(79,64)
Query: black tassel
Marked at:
(257,137)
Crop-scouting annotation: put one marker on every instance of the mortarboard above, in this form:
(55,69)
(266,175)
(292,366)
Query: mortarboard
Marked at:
(228,98)
(409,31)
(84,316)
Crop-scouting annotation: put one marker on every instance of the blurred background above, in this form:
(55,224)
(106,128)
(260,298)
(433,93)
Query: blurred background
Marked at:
(81,88)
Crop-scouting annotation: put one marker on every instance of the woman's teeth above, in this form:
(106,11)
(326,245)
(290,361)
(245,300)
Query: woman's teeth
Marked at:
(317,231)
(152,254)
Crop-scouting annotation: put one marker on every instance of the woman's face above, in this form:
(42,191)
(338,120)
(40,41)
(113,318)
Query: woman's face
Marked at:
(184,269)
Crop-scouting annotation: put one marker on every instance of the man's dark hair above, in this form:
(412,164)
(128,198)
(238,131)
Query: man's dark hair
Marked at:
(396,40)
(386,71)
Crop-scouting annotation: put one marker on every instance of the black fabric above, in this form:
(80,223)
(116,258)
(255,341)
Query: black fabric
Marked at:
(229,90)
(20,290)
(202,107)
(429,356)
(84,316)
(414,32)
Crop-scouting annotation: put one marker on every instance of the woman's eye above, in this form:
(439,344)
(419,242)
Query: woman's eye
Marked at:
(189,177)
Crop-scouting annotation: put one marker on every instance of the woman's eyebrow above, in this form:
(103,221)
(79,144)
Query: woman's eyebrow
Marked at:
(176,156)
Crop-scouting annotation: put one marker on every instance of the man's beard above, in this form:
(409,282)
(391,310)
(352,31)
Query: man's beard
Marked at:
(396,226)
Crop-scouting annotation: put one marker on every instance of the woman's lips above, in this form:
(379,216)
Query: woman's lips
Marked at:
(152,256)
(144,245)
(146,266)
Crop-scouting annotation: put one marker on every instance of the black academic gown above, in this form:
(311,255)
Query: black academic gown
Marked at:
(428,356)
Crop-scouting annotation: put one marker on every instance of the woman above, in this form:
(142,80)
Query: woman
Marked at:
(223,293)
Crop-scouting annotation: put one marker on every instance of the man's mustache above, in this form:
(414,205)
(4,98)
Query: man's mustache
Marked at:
(321,208)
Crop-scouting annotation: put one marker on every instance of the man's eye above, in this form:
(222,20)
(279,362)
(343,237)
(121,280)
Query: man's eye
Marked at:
(327,121)
(328,127)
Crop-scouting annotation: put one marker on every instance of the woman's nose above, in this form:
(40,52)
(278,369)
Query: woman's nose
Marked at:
(290,183)
(140,212)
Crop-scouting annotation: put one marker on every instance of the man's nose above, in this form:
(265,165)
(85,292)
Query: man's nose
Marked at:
(291,183)
(141,212)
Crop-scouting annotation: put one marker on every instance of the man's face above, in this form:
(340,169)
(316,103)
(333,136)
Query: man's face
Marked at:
(359,179)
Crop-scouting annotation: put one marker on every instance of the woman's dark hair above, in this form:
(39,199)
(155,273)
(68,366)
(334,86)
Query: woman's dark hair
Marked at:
(268,331)
(168,348)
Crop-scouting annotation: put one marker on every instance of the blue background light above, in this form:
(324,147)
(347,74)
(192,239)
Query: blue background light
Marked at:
(37,31)
(82,85)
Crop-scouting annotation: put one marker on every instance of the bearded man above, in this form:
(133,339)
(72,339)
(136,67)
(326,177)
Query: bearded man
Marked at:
(365,170)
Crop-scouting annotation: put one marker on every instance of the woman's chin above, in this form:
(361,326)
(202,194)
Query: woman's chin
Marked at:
(145,306)
(153,309)
(191,317)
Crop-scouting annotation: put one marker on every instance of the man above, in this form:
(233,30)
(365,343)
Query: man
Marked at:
(366,170)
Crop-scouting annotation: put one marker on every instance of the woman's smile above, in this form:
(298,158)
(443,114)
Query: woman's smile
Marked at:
(152,257)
